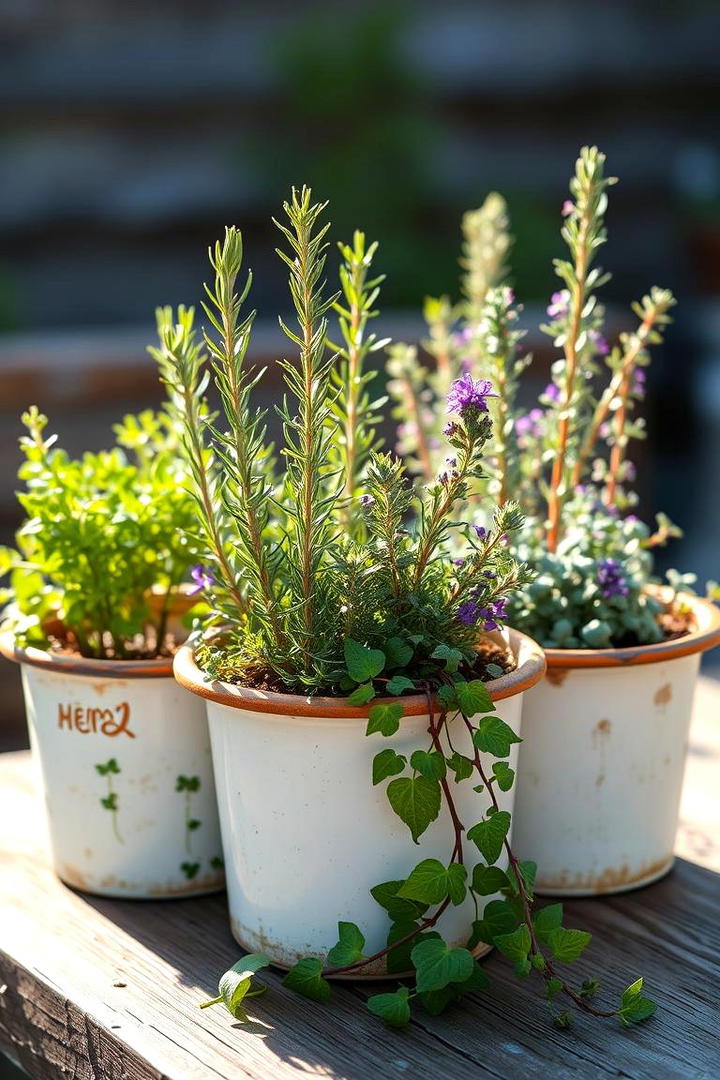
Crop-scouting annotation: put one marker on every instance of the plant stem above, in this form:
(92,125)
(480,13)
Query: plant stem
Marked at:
(618,449)
(548,972)
(613,388)
(556,492)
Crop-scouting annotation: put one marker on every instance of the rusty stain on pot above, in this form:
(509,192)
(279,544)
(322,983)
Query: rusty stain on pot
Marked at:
(74,877)
(100,687)
(557,676)
(663,695)
(259,941)
(207,883)
(600,780)
(609,878)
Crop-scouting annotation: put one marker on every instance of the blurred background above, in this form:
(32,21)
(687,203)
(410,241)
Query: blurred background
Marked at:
(131,134)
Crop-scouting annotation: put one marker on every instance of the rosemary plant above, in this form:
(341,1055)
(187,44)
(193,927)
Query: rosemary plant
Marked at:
(566,460)
(101,532)
(327,571)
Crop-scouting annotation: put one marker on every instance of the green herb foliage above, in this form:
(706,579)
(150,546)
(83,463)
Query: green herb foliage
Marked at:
(101,531)
(331,572)
(566,460)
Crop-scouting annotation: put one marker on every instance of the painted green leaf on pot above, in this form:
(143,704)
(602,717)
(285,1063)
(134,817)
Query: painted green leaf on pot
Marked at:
(349,948)
(416,801)
(363,664)
(436,965)
(385,719)
(489,835)
(305,978)
(394,1008)
(494,736)
(387,763)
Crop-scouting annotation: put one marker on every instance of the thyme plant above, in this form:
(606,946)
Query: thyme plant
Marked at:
(327,571)
(101,532)
(566,460)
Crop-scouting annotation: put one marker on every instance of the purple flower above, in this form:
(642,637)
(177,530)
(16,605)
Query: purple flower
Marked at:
(567,208)
(450,429)
(601,345)
(611,579)
(552,392)
(458,562)
(367,500)
(479,531)
(468,613)
(462,336)
(467,394)
(203,578)
(559,305)
(638,387)
(529,426)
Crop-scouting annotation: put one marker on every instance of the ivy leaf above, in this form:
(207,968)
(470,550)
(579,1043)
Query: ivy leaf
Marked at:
(432,764)
(490,834)
(528,872)
(498,918)
(387,763)
(363,664)
(457,883)
(567,945)
(384,718)
(589,988)
(399,684)
(447,697)
(305,978)
(398,909)
(634,1007)
(394,1009)
(236,982)
(349,947)
(398,653)
(487,880)
(436,965)
(452,657)
(494,736)
(436,1001)
(552,988)
(399,958)
(473,697)
(416,801)
(504,775)
(546,920)
(428,882)
(362,694)
(516,946)
(462,767)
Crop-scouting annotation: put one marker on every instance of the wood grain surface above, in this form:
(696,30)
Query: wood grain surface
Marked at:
(93,989)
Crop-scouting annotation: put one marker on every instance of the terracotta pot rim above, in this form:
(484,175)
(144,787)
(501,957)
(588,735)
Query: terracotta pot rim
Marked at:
(81,665)
(530,670)
(706,636)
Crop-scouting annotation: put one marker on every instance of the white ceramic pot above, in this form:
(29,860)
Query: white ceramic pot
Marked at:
(305,834)
(602,760)
(124,760)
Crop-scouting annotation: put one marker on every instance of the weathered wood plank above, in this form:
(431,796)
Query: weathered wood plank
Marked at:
(98,988)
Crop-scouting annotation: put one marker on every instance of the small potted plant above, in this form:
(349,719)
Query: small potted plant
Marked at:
(605,733)
(364,702)
(95,605)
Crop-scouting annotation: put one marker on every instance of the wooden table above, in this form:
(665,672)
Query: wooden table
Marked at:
(95,989)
